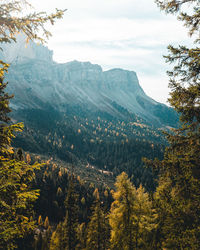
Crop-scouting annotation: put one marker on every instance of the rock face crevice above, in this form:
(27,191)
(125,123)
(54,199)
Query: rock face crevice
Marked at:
(36,80)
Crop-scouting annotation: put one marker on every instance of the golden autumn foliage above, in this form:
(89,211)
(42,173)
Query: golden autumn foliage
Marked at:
(16,175)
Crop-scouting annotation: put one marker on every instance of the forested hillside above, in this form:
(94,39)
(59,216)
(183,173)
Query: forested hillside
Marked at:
(100,140)
(76,177)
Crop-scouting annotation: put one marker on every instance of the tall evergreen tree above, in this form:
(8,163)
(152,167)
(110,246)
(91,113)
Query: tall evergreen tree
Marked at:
(178,195)
(145,220)
(121,214)
(98,229)
(4,109)
(16,196)
(70,223)
(132,217)
(65,236)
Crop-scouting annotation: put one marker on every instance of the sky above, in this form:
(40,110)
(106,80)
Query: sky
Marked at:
(128,34)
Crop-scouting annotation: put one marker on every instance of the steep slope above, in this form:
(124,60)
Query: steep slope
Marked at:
(84,116)
(38,81)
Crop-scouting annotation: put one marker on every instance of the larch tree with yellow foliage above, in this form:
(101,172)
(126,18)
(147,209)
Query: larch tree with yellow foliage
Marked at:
(16,195)
(132,218)
(97,228)
(121,214)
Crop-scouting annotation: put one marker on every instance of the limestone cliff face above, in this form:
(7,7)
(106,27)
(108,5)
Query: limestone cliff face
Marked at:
(36,80)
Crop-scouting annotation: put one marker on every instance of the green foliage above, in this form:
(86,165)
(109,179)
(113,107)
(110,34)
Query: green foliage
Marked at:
(184,78)
(121,214)
(145,220)
(71,218)
(177,198)
(119,149)
(12,22)
(6,130)
(97,229)
(16,176)
(65,236)
(16,197)
(131,218)
(191,18)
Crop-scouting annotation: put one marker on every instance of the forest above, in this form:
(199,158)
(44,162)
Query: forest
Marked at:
(148,204)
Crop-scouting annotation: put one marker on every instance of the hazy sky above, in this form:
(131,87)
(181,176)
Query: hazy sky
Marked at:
(128,34)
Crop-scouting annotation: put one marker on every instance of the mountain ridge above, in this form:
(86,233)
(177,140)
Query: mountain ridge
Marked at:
(83,115)
(37,80)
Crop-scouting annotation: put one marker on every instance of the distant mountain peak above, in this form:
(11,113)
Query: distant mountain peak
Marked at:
(21,52)
(37,81)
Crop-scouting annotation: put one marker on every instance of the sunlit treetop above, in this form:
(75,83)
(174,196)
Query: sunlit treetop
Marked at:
(12,21)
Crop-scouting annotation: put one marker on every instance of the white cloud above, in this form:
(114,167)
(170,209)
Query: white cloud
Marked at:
(129,34)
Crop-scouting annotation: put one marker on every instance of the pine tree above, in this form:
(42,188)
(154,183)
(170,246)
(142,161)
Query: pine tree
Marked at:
(132,217)
(4,109)
(70,223)
(98,228)
(121,214)
(16,195)
(11,21)
(145,220)
(178,195)
(65,236)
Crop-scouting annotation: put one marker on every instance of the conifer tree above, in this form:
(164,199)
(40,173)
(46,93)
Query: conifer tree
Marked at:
(121,214)
(16,195)
(145,220)
(70,223)
(13,22)
(65,236)
(98,228)
(16,198)
(178,195)
(132,217)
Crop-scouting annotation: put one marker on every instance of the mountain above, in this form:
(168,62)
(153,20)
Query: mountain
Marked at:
(37,81)
(84,116)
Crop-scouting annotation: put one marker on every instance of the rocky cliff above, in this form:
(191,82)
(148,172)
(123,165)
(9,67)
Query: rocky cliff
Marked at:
(36,80)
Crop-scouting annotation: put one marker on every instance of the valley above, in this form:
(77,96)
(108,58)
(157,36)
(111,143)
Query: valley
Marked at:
(80,114)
